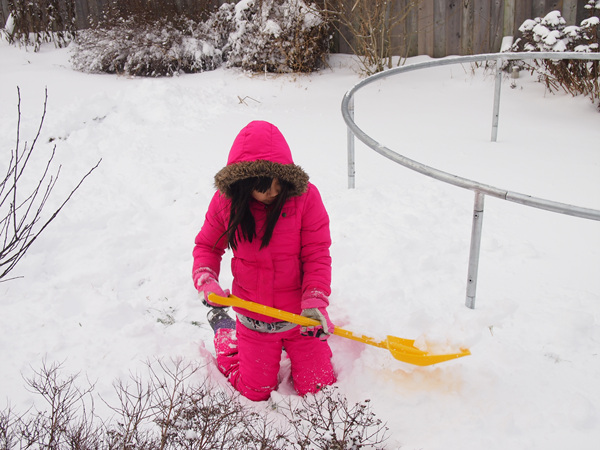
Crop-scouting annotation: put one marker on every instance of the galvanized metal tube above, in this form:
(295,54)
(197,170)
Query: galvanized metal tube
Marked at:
(475,249)
(523,199)
(550,205)
(480,189)
(351,152)
(497,89)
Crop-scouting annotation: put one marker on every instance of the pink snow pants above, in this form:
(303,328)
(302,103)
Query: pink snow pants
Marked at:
(251,362)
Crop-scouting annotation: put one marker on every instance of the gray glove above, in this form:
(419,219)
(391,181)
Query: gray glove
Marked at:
(320,314)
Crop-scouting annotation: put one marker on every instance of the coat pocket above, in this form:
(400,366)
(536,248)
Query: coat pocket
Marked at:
(244,274)
(288,275)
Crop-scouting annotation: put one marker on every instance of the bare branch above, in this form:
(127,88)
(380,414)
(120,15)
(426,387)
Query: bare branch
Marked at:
(21,216)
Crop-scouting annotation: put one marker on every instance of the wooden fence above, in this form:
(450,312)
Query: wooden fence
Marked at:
(465,27)
(432,27)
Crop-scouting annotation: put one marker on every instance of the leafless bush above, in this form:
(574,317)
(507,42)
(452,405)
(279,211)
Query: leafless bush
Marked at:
(174,408)
(65,418)
(375,29)
(148,11)
(21,213)
(263,433)
(326,421)
(132,413)
(8,423)
(37,21)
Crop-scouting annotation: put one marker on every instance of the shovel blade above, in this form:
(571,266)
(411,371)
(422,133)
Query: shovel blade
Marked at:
(405,351)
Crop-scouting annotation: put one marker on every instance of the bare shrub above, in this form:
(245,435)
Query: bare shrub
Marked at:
(375,30)
(170,412)
(173,407)
(35,22)
(65,419)
(21,213)
(147,11)
(8,423)
(326,421)
(134,411)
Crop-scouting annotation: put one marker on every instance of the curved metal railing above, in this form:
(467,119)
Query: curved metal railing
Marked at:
(479,188)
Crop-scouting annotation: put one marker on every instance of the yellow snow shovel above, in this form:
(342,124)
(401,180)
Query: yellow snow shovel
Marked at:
(401,349)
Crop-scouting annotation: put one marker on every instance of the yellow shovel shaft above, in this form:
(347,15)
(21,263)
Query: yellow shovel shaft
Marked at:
(401,349)
(232,300)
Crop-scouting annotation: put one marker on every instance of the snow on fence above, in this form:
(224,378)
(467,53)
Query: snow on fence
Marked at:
(480,189)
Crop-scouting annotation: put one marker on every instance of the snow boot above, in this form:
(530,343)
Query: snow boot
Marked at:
(218,318)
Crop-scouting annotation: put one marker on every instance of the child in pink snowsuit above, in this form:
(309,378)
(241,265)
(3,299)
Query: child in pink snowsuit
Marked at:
(274,220)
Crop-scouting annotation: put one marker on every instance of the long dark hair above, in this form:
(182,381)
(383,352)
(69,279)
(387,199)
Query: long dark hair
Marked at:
(241,221)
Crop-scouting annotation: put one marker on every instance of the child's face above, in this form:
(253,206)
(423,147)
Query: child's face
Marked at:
(270,194)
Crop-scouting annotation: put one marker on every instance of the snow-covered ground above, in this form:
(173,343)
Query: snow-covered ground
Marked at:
(99,289)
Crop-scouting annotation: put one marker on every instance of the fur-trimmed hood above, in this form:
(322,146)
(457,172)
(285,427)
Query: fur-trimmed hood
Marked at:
(261,150)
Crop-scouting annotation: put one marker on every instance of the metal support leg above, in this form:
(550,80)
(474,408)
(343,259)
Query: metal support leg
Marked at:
(497,88)
(351,158)
(475,249)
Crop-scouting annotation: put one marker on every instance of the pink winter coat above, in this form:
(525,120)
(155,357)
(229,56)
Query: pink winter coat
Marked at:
(296,262)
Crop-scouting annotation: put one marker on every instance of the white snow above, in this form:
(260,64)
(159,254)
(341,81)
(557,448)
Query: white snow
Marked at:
(528,25)
(272,28)
(590,22)
(116,263)
(554,18)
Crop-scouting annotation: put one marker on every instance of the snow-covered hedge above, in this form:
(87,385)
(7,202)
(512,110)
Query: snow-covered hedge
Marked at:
(273,36)
(144,49)
(551,34)
(267,35)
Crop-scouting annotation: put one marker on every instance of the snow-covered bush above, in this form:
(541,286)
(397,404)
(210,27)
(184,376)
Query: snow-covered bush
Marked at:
(33,22)
(152,49)
(551,34)
(272,35)
(267,35)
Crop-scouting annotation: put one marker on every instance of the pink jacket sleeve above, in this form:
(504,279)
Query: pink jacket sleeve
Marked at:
(210,244)
(314,253)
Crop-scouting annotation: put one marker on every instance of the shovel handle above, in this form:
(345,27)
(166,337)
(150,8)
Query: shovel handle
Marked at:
(401,349)
(232,300)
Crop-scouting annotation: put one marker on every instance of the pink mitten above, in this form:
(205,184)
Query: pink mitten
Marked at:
(314,299)
(206,284)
